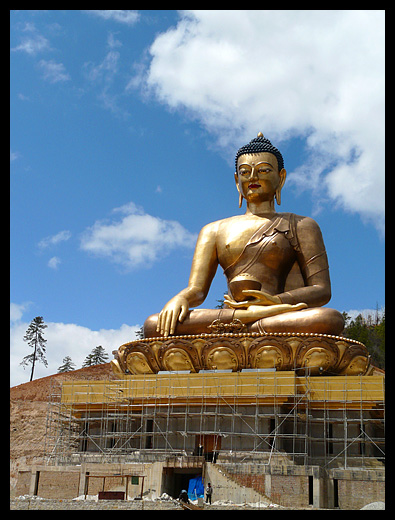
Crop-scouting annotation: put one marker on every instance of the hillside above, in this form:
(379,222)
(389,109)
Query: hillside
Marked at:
(28,414)
(39,389)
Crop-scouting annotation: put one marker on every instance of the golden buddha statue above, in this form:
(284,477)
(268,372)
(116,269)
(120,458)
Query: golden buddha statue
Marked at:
(275,263)
(278,281)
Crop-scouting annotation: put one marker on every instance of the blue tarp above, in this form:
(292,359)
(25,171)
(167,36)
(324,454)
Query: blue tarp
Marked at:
(195,488)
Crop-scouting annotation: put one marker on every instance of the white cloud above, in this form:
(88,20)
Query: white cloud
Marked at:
(137,239)
(366,313)
(102,77)
(53,72)
(17,310)
(13,156)
(315,74)
(112,42)
(122,16)
(54,262)
(33,44)
(106,70)
(52,240)
(63,339)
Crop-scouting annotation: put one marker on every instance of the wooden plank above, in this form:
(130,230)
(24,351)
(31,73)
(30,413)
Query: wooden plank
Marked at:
(111,495)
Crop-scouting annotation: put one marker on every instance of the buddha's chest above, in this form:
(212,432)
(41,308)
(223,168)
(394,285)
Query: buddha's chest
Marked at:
(272,250)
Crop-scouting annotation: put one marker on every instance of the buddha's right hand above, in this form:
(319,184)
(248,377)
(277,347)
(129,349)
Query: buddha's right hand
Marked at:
(175,310)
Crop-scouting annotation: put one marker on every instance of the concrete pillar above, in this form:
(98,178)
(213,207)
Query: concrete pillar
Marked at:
(81,488)
(35,475)
(268,484)
(330,493)
(318,492)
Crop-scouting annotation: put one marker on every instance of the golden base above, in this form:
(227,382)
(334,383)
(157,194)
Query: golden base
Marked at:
(319,353)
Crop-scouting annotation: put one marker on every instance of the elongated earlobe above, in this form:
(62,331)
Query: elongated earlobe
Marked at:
(238,189)
(277,195)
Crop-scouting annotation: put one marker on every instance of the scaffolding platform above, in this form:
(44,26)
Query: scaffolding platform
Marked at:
(259,416)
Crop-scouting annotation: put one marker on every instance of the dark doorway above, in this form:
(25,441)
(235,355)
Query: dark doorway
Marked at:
(329,437)
(208,446)
(272,427)
(174,480)
(311,494)
(335,493)
(148,439)
(181,481)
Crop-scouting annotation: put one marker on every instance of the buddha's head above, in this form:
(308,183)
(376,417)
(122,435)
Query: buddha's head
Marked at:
(261,144)
(260,170)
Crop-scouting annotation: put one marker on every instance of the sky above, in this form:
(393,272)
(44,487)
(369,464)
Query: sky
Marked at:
(123,130)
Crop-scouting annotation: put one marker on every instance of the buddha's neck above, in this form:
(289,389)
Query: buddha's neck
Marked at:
(261,209)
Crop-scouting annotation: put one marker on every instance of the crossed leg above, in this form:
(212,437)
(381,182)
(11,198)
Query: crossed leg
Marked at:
(321,320)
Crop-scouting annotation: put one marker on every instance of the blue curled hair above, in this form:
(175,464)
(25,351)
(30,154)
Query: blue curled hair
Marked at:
(258,145)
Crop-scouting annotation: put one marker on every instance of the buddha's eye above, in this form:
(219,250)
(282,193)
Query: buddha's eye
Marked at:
(243,172)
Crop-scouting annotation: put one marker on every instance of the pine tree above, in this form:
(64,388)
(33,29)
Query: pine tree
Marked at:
(98,356)
(140,333)
(35,339)
(371,332)
(67,366)
(88,361)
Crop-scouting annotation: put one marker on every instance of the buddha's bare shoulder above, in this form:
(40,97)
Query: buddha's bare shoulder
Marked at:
(218,225)
(301,221)
(305,224)
(304,228)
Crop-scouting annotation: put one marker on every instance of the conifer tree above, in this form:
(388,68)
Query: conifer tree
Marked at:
(35,339)
(140,333)
(67,366)
(371,332)
(98,356)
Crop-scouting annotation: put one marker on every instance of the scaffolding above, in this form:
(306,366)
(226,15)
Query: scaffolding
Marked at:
(250,417)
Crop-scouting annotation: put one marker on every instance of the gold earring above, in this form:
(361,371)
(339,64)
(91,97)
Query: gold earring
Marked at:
(240,200)
(277,196)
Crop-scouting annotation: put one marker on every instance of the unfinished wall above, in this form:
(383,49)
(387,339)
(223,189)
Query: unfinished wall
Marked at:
(71,481)
(52,484)
(358,493)
(290,490)
(353,489)
(289,486)
(23,483)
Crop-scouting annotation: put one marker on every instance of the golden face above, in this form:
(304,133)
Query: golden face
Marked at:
(257,176)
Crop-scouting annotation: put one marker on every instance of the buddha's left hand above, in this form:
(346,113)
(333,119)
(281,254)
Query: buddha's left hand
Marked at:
(259,298)
(256,312)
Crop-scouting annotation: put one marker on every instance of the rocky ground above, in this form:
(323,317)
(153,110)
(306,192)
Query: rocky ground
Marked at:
(30,502)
